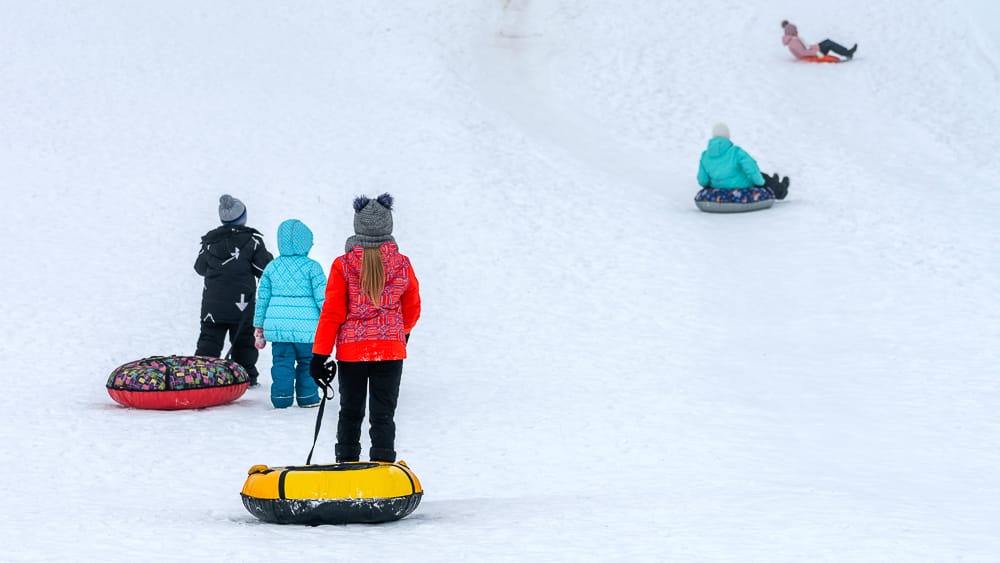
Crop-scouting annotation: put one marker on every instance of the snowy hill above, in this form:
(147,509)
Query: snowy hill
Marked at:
(601,371)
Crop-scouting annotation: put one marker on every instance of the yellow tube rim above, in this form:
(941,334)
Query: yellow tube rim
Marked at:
(357,480)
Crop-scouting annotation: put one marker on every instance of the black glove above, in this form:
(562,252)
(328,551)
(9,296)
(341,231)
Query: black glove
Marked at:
(321,371)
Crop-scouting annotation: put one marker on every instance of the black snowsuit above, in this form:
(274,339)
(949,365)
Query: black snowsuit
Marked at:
(231,259)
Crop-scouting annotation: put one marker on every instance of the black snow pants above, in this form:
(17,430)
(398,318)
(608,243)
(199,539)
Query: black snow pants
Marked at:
(213,338)
(826,45)
(356,380)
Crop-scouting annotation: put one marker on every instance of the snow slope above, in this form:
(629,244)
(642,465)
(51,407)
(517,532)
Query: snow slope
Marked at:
(602,372)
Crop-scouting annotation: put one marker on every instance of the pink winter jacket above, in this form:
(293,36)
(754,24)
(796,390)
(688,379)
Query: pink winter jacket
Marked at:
(795,45)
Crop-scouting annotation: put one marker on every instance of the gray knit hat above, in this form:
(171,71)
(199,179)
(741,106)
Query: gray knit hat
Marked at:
(720,130)
(372,222)
(232,211)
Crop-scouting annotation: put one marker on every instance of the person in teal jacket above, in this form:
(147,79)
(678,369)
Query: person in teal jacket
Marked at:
(289,299)
(726,166)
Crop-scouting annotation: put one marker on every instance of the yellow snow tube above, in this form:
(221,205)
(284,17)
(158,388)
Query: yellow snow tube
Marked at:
(342,493)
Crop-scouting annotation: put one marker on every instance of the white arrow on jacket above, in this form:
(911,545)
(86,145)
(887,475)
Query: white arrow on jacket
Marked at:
(242,303)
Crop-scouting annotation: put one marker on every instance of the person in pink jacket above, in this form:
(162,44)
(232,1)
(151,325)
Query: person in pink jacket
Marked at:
(800,50)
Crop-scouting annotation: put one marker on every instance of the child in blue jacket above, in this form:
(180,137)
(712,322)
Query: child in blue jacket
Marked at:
(726,166)
(289,299)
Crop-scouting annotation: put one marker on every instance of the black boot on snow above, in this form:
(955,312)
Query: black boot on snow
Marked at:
(772,183)
(850,52)
(347,454)
(781,188)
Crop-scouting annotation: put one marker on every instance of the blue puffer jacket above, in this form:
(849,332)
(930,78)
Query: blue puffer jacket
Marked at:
(726,166)
(292,288)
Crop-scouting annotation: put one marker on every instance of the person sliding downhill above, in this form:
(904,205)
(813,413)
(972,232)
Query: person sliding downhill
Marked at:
(798,48)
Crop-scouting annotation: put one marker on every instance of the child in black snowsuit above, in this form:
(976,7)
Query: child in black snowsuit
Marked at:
(231,259)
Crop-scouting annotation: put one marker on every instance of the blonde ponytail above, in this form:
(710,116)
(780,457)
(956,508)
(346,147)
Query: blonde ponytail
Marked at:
(373,275)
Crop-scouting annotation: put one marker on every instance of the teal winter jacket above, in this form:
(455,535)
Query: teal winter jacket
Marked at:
(292,288)
(726,166)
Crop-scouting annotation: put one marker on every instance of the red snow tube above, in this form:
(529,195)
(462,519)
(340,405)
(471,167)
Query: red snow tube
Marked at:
(177,382)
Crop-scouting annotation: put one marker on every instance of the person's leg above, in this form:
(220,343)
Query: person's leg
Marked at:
(211,340)
(353,385)
(243,350)
(306,390)
(778,187)
(384,383)
(282,374)
(770,181)
(825,46)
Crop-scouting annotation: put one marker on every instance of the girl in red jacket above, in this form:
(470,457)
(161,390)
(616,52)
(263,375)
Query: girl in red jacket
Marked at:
(372,303)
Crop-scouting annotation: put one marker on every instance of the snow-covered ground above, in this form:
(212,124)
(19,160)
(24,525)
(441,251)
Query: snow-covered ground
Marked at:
(601,371)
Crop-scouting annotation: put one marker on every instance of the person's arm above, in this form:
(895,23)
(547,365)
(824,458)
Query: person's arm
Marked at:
(749,167)
(703,179)
(261,257)
(201,262)
(334,311)
(410,302)
(263,298)
(798,48)
(318,285)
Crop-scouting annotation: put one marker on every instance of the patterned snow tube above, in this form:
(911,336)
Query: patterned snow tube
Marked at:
(177,382)
(714,200)
(341,493)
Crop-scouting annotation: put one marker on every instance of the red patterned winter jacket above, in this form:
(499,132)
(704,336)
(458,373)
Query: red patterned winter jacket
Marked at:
(362,331)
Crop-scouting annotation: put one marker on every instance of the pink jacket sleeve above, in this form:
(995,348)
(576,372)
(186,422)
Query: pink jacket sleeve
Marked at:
(798,48)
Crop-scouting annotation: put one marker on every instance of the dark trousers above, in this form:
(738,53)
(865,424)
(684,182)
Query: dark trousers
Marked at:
(213,338)
(356,380)
(825,46)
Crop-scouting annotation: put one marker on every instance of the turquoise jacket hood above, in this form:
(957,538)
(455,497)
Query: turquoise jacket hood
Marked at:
(294,238)
(726,166)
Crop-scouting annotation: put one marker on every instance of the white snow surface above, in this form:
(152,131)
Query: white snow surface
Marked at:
(601,372)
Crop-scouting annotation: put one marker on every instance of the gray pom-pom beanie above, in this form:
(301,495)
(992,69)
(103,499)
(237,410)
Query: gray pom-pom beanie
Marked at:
(372,222)
(232,211)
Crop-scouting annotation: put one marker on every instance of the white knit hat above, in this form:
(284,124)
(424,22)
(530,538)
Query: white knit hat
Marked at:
(720,129)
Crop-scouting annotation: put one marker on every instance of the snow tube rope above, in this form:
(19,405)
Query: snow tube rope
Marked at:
(327,394)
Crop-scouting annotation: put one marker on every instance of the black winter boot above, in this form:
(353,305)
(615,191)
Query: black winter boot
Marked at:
(772,183)
(382,454)
(781,191)
(347,453)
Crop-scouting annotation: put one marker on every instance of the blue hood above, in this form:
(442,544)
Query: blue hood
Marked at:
(717,146)
(294,238)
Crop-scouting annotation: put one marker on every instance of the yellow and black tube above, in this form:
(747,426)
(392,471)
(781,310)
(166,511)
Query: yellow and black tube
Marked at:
(342,493)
